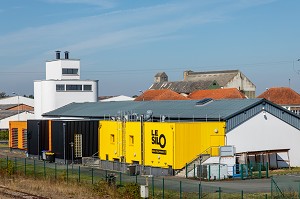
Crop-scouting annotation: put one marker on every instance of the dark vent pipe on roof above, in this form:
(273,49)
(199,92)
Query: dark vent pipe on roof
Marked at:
(57,54)
(66,54)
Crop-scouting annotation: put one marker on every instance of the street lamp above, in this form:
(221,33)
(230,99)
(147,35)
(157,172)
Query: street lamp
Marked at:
(18,104)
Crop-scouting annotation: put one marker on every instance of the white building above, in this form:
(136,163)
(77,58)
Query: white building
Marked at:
(17,100)
(62,86)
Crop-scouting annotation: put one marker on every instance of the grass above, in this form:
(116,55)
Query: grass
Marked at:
(2,145)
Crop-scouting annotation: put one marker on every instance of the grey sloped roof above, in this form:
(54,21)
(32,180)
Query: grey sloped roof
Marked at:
(8,113)
(183,86)
(7,106)
(186,109)
(222,77)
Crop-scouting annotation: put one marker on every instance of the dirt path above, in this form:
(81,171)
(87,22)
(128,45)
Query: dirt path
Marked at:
(6,193)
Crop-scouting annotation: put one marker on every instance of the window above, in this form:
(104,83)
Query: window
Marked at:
(73,87)
(60,87)
(112,138)
(24,138)
(78,145)
(14,138)
(87,87)
(131,140)
(70,71)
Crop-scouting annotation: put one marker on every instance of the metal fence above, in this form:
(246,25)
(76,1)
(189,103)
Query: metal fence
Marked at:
(159,187)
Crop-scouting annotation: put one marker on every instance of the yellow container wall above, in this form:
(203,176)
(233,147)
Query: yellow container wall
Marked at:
(110,143)
(192,139)
(22,138)
(159,144)
(133,142)
(166,144)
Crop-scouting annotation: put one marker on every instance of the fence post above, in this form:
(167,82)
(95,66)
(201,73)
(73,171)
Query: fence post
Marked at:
(152,186)
(25,166)
(106,176)
(7,162)
(55,171)
(186,171)
(259,172)
(120,178)
(180,190)
(34,168)
(299,191)
(219,171)
(267,169)
(200,191)
(67,173)
(92,175)
(44,169)
(242,172)
(163,188)
(135,178)
(242,194)
(194,171)
(78,173)
(220,192)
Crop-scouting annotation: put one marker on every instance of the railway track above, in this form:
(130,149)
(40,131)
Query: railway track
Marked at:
(6,193)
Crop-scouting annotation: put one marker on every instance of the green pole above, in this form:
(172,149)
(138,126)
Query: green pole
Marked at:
(44,169)
(25,166)
(200,191)
(78,173)
(55,170)
(299,191)
(67,173)
(180,189)
(152,186)
(266,196)
(267,169)
(163,188)
(186,171)
(34,168)
(219,192)
(242,194)
(106,176)
(135,179)
(7,162)
(194,170)
(242,172)
(259,172)
(92,175)
(120,179)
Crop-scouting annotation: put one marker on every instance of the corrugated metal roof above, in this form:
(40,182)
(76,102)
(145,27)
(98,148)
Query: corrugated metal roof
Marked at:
(215,110)
(233,111)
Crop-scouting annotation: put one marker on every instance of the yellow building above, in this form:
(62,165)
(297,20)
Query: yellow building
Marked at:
(158,144)
(18,134)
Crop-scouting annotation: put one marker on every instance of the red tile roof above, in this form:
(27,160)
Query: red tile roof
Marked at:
(225,93)
(281,96)
(165,94)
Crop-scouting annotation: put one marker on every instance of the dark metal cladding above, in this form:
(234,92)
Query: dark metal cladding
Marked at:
(89,131)
(37,129)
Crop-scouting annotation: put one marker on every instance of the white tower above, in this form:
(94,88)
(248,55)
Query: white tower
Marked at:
(62,86)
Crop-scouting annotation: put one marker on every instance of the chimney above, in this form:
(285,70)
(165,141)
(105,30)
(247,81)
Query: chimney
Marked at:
(66,54)
(57,54)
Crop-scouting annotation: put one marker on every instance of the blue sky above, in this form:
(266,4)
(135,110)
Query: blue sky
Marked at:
(123,43)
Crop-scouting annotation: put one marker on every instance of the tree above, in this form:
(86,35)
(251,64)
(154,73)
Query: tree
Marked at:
(3,94)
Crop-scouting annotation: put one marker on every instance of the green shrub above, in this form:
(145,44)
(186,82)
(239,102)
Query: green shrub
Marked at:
(4,135)
(130,190)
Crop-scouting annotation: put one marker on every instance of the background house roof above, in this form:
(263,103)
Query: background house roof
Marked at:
(184,86)
(164,94)
(118,98)
(222,77)
(225,93)
(281,96)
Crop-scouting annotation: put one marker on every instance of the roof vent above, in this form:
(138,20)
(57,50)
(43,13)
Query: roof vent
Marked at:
(57,54)
(66,54)
(204,101)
